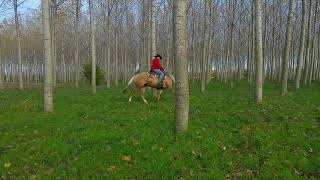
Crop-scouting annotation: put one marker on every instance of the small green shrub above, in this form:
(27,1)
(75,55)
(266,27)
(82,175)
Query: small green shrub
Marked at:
(87,69)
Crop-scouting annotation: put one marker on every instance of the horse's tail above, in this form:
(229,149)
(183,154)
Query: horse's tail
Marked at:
(172,77)
(129,83)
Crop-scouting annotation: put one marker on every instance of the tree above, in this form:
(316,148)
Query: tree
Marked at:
(77,62)
(15,6)
(93,46)
(153,27)
(285,60)
(109,45)
(313,51)
(204,48)
(302,42)
(153,34)
(181,70)
(48,88)
(308,39)
(1,78)
(258,51)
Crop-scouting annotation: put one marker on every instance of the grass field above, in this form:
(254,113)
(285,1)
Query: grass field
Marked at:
(103,135)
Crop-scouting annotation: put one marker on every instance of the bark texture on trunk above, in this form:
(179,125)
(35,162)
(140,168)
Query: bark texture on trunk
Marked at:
(258,51)
(286,53)
(48,87)
(181,71)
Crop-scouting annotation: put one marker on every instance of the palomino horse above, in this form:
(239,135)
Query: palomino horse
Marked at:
(144,79)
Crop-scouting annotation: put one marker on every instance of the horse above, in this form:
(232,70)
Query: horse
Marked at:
(148,79)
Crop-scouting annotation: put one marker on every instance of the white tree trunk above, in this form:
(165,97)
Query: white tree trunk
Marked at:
(302,43)
(18,42)
(181,63)
(1,71)
(308,41)
(77,63)
(258,51)
(204,49)
(286,53)
(93,46)
(48,88)
(109,44)
(313,51)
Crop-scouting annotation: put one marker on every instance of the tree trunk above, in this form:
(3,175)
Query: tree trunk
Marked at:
(306,64)
(181,63)
(17,25)
(93,46)
(258,51)
(313,51)
(53,24)
(273,48)
(286,53)
(302,43)
(48,88)
(153,34)
(77,63)
(109,46)
(231,50)
(204,49)
(116,46)
(1,71)
(209,62)
(153,28)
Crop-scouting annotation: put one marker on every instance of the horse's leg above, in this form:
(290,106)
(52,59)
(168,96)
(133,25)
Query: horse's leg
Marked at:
(142,90)
(132,93)
(171,89)
(160,92)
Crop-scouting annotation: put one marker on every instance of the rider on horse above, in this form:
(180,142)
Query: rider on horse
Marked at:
(157,68)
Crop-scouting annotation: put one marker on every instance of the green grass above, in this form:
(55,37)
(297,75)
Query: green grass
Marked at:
(228,136)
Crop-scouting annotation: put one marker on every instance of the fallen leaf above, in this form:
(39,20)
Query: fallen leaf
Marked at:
(49,172)
(7,164)
(33,177)
(111,168)
(127,158)
(297,173)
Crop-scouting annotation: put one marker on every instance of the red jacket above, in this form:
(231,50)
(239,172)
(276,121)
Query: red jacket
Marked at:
(156,64)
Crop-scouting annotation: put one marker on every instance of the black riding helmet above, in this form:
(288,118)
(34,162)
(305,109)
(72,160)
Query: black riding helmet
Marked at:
(158,55)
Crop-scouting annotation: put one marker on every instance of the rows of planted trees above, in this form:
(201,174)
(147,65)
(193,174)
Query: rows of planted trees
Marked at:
(220,37)
(277,40)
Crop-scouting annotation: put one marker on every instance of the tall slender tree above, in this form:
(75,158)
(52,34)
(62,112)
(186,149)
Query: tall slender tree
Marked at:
(181,70)
(313,51)
(302,43)
(77,61)
(17,24)
(258,51)
(204,48)
(308,41)
(108,64)
(48,88)
(285,60)
(1,76)
(93,46)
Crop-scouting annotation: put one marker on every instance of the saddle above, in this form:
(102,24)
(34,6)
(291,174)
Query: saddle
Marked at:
(154,75)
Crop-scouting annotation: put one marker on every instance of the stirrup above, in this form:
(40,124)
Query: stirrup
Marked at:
(160,85)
